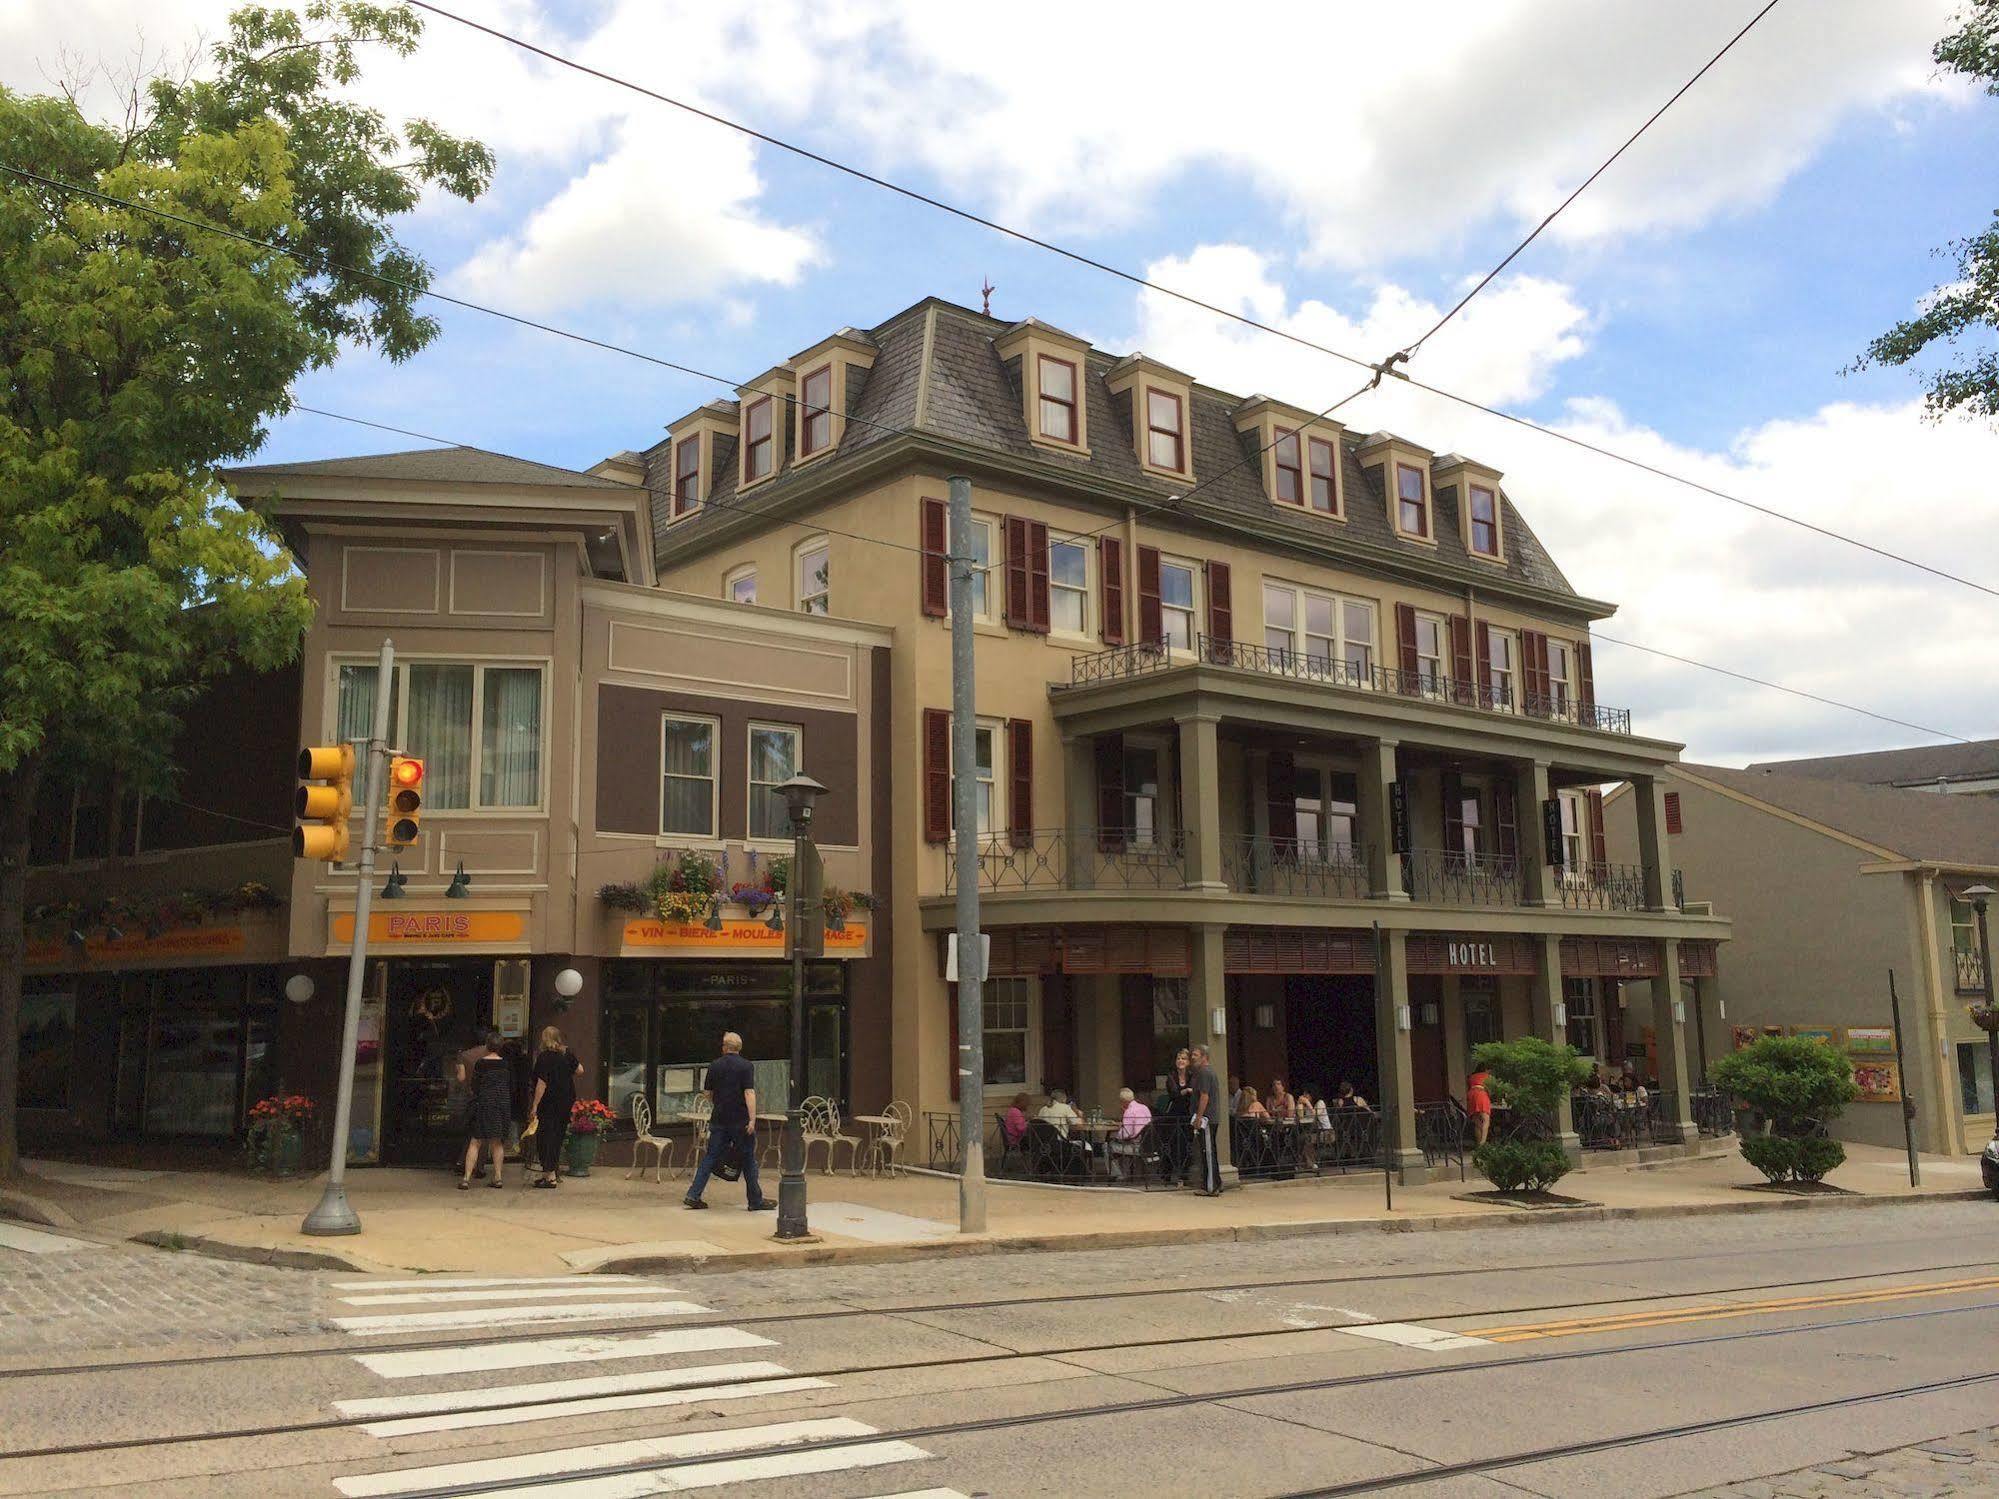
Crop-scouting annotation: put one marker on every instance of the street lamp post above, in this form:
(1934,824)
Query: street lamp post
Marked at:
(1980,897)
(800,793)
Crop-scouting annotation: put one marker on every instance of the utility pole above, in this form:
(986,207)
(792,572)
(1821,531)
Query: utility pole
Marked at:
(1908,1098)
(334,1214)
(965,831)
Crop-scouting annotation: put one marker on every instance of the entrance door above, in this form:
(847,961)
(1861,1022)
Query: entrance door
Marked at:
(1429,1078)
(435,1011)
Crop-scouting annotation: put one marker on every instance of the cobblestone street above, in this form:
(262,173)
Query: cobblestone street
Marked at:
(1964,1464)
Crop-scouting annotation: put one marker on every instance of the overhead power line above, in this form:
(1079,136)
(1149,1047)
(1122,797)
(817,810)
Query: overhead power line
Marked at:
(1135,279)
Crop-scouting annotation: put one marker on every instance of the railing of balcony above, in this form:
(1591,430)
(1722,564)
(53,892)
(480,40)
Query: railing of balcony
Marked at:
(1446,877)
(1970,972)
(1286,866)
(1057,859)
(1118,662)
(1604,887)
(1679,890)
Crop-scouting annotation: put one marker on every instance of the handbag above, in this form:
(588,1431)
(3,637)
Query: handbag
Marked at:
(730,1167)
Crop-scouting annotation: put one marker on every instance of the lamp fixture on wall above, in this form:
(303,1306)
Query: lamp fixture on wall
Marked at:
(461,884)
(392,887)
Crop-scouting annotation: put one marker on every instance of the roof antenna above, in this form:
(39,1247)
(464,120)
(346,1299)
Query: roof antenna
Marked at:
(986,290)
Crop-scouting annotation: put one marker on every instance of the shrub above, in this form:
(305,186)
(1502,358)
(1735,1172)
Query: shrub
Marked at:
(1521,1165)
(1816,1156)
(1796,1084)
(1530,1074)
(1784,1158)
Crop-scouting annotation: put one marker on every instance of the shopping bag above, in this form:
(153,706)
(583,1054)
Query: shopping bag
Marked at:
(730,1167)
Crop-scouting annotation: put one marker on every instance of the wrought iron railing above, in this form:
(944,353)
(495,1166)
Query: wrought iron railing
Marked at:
(1561,708)
(1711,1111)
(1446,877)
(1057,859)
(1286,866)
(1970,972)
(1305,666)
(1443,1134)
(1604,887)
(1120,661)
(1679,890)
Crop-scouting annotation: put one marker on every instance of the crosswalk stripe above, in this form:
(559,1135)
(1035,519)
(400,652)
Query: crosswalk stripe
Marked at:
(451,1282)
(556,1463)
(555,1389)
(723,1474)
(925,1494)
(1413,1335)
(472,1358)
(501,1316)
(510,1293)
(34,1241)
(646,1400)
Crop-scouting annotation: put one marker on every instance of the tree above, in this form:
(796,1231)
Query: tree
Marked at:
(138,352)
(1970,304)
(1796,1084)
(1533,1076)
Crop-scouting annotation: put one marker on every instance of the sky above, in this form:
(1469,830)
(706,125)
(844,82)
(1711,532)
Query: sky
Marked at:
(1337,170)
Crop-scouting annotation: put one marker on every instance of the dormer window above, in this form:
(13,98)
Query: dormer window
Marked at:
(759,445)
(687,475)
(815,396)
(1290,474)
(1165,431)
(1412,502)
(1325,490)
(1484,521)
(1058,399)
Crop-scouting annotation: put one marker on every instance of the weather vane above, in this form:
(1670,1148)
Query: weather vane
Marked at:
(986,290)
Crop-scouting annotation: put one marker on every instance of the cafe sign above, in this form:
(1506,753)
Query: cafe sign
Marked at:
(733,939)
(185,942)
(434,928)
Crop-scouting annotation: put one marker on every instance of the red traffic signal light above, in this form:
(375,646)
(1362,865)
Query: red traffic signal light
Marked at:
(405,800)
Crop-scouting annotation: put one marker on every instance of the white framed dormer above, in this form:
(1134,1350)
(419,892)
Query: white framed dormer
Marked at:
(1403,471)
(1301,457)
(764,443)
(1159,404)
(1052,371)
(696,441)
(1474,490)
(826,376)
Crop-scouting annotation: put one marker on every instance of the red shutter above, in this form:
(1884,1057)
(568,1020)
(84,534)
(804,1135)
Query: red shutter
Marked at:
(1110,569)
(1673,823)
(936,775)
(1534,670)
(1221,611)
(1281,791)
(1585,679)
(1016,572)
(1151,622)
(951,1003)
(1037,576)
(1020,781)
(936,579)
(1482,684)
(1405,644)
(1110,793)
(1463,682)
(1598,853)
(1452,791)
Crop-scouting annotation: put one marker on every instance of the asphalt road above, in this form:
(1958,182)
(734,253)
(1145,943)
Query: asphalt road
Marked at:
(1855,1350)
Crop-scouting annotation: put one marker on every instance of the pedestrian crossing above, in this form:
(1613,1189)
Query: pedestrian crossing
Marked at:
(575,1375)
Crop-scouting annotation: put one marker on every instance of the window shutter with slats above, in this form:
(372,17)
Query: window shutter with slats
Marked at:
(1673,822)
(1016,572)
(1151,620)
(1461,660)
(1221,610)
(1598,851)
(936,775)
(1483,682)
(1405,645)
(1020,781)
(1037,577)
(1585,680)
(936,579)
(1110,571)
(1281,791)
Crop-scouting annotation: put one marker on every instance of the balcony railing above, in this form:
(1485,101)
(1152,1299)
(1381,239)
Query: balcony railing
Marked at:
(1446,877)
(1364,676)
(1056,859)
(1604,887)
(1970,972)
(1285,866)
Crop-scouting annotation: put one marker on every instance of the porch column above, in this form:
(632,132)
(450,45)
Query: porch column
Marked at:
(1453,1016)
(1649,797)
(1079,808)
(1545,995)
(1201,801)
(1384,864)
(1207,1003)
(1530,791)
(1394,1061)
(1669,1034)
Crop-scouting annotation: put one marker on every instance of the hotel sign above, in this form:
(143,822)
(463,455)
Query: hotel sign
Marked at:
(733,940)
(1501,952)
(1473,955)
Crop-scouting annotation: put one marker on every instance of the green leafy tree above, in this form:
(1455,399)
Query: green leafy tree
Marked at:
(1533,1076)
(137,352)
(1796,1084)
(1969,305)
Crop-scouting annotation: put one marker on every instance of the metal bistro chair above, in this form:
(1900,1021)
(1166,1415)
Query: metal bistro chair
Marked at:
(644,1139)
(819,1121)
(885,1151)
(698,1113)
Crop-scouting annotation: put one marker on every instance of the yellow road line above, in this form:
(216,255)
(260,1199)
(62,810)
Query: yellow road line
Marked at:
(1717,1311)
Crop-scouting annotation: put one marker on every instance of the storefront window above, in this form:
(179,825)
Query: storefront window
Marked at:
(1579,995)
(1006,1013)
(47,1047)
(194,1053)
(445,701)
(1480,999)
(1974,1076)
(1169,1025)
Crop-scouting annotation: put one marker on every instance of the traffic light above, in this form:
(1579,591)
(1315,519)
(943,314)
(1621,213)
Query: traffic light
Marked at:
(323,801)
(405,800)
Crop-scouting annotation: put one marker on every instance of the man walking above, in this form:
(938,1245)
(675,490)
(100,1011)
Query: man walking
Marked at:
(1207,1120)
(732,1121)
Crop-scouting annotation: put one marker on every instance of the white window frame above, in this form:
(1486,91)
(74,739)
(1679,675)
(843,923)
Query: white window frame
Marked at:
(1321,847)
(735,575)
(480,666)
(751,783)
(1433,684)
(1337,604)
(1162,798)
(714,777)
(1088,589)
(1506,699)
(806,412)
(1561,686)
(1498,552)
(1429,531)
(1180,434)
(800,598)
(996,823)
(1031,1041)
(986,582)
(1575,837)
(1193,607)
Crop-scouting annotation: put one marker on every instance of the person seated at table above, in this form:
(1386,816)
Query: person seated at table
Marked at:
(1235,1095)
(1349,1099)
(1280,1102)
(1132,1125)
(1013,1123)
(1303,1109)
(1059,1112)
(1322,1114)
(1251,1108)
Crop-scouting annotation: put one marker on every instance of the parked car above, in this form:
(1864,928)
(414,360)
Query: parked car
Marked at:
(1988,1164)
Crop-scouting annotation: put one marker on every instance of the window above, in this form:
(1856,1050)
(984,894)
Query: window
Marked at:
(1357,639)
(1430,634)
(47,1046)
(982,567)
(687,475)
(1007,1003)
(1141,794)
(1176,604)
(1468,838)
(1327,803)
(1558,676)
(1480,998)
(740,586)
(1484,521)
(815,586)
(1579,996)
(1058,399)
(1325,491)
(815,397)
(1280,620)
(773,761)
(687,776)
(1334,630)
(1500,651)
(1068,587)
(1574,823)
(1412,501)
(1290,478)
(1165,434)
(1974,1077)
(759,449)
(475,727)
(985,779)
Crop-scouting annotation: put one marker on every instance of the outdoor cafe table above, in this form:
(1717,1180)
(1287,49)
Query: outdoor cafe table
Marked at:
(876,1123)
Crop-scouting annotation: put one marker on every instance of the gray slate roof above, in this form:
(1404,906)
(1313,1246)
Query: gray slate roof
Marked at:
(973,399)
(1925,763)
(1914,824)
(458,465)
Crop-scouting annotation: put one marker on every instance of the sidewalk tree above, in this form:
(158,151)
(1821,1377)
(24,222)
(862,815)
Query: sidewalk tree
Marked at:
(1796,1084)
(1533,1077)
(139,352)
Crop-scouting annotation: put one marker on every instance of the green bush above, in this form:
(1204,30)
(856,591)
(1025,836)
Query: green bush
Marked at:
(1818,1155)
(1532,1075)
(1788,1158)
(1796,1084)
(1521,1165)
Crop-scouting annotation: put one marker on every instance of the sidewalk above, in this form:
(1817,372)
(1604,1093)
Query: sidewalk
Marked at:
(417,1221)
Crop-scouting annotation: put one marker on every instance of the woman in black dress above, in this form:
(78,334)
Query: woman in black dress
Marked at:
(555,1072)
(1178,1110)
(490,1109)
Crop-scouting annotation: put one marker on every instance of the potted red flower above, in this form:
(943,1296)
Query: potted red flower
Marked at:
(274,1133)
(588,1119)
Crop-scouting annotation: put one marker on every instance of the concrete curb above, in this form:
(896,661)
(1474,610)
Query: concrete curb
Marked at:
(253,1254)
(29,1208)
(1247,1233)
